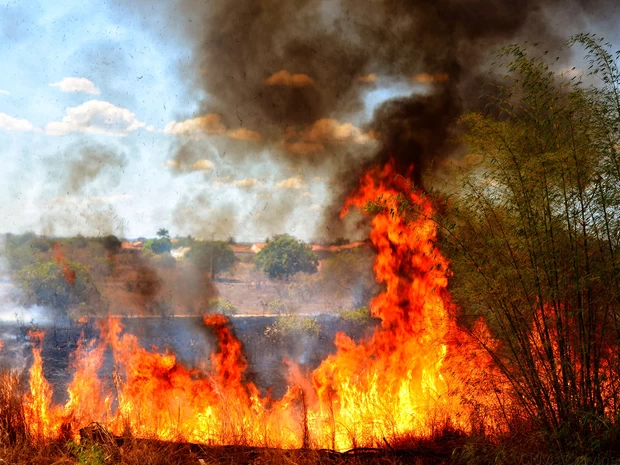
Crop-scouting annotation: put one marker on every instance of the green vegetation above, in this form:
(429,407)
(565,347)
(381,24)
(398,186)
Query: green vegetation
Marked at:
(187,241)
(163,233)
(55,286)
(87,453)
(215,256)
(292,326)
(284,256)
(222,306)
(158,246)
(359,317)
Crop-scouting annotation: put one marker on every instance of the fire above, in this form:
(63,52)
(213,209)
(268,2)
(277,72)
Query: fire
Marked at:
(407,379)
(43,419)
(60,259)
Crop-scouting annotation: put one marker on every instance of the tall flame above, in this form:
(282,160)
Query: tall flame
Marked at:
(404,380)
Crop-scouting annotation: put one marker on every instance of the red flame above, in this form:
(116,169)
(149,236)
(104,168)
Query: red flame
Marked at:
(60,259)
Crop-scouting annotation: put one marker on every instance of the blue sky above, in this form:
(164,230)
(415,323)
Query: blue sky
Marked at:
(75,75)
(72,74)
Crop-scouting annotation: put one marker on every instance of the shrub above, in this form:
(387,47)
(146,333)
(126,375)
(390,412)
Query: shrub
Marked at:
(291,326)
(223,306)
(284,256)
(360,316)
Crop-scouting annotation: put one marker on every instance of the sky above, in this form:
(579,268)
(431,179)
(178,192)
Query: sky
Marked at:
(93,107)
(73,75)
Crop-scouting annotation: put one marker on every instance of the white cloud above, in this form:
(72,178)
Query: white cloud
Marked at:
(322,133)
(296,182)
(77,85)
(96,117)
(4,92)
(285,78)
(331,130)
(173,164)
(248,183)
(203,165)
(245,183)
(8,123)
(196,127)
(208,125)
(95,199)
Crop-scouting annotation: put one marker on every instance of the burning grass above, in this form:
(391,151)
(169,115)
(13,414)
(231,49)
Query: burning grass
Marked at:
(417,389)
(408,378)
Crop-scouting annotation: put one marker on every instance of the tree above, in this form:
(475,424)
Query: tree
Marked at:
(158,246)
(56,286)
(284,256)
(163,233)
(222,306)
(213,256)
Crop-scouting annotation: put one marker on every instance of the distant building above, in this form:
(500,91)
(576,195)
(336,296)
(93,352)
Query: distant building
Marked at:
(125,245)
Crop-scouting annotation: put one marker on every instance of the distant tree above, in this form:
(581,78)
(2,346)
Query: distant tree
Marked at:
(181,241)
(213,256)
(19,239)
(55,286)
(163,233)
(231,240)
(158,246)
(284,256)
(20,255)
(79,242)
(223,306)
(40,243)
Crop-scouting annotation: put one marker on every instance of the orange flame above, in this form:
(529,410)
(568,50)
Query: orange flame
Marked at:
(60,259)
(405,380)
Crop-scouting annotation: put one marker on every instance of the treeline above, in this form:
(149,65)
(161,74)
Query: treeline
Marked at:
(80,276)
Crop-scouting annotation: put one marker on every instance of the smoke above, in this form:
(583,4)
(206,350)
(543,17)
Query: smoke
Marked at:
(86,163)
(79,179)
(295,75)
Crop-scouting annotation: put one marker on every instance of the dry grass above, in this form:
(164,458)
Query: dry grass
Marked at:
(144,452)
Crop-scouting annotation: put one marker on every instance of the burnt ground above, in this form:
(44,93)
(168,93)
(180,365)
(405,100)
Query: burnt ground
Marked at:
(189,339)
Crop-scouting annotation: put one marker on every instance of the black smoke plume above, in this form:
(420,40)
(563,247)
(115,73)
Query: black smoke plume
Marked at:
(325,55)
